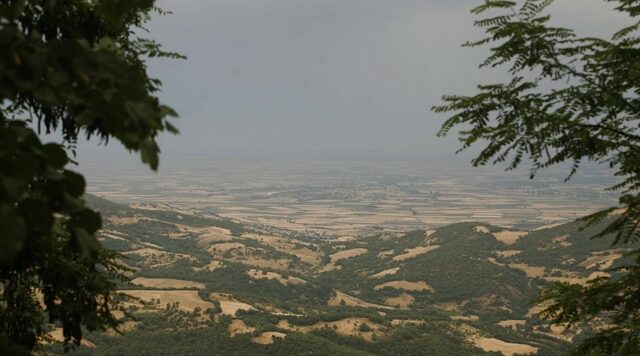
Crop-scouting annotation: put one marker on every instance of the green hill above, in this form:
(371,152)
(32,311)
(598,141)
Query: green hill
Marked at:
(205,283)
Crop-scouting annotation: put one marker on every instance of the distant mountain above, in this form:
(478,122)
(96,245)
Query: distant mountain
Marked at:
(208,284)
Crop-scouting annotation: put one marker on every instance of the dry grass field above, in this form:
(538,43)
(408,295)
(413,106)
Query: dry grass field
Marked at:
(507,253)
(268,337)
(230,305)
(386,272)
(238,327)
(403,322)
(602,260)
(347,254)
(404,300)
(167,283)
(406,285)
(509,237)
(342,298)
(465,317)
(491,344)
(414,252)
(346,327)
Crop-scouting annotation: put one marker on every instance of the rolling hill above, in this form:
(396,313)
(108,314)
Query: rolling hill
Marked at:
(205,284)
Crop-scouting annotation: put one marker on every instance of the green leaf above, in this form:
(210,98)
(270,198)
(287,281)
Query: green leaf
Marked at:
(88,220)
(87,242)
(149,152)
(56,155)
(14,188)
(37,215)
(13,234)
(74,183)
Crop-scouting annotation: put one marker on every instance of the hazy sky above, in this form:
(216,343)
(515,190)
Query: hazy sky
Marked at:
(323,77)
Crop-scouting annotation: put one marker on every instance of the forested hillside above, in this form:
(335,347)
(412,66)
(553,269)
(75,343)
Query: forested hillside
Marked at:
(205,284)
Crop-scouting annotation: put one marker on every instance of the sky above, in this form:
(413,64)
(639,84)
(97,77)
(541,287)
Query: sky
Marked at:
(334,78)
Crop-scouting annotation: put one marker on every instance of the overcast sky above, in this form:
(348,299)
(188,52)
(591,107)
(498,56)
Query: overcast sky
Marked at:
(324,77)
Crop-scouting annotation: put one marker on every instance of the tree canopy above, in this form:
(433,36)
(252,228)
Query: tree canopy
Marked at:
(77,67)
(570,99)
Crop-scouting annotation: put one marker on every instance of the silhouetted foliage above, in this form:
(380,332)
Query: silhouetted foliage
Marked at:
(75,67)
(570,99)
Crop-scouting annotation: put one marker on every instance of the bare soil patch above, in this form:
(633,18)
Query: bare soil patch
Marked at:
(112,235)
(406,285)
(238,326)
(428,233)
(491,344)
(268,337)
(167,283)
(531,271)
(403,322)
(385,254)
(341,255)
(601,260)
(414,252)
(345,238)
(465,317)
(123,220)
(330,267)
(229,304)
(349,300)
(211,266)
(509,237)
(386,272)
(508,253)
(578,280)
(480,228)
(404,300)
(214,234)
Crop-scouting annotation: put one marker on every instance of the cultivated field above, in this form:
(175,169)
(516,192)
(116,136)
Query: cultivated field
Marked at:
(357,197)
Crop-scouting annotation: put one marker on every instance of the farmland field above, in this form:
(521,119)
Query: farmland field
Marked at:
(343,198)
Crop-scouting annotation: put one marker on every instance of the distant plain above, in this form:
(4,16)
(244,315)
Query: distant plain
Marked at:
(336,198)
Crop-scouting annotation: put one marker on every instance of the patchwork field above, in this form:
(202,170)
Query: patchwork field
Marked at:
(357,265)
(356,197)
